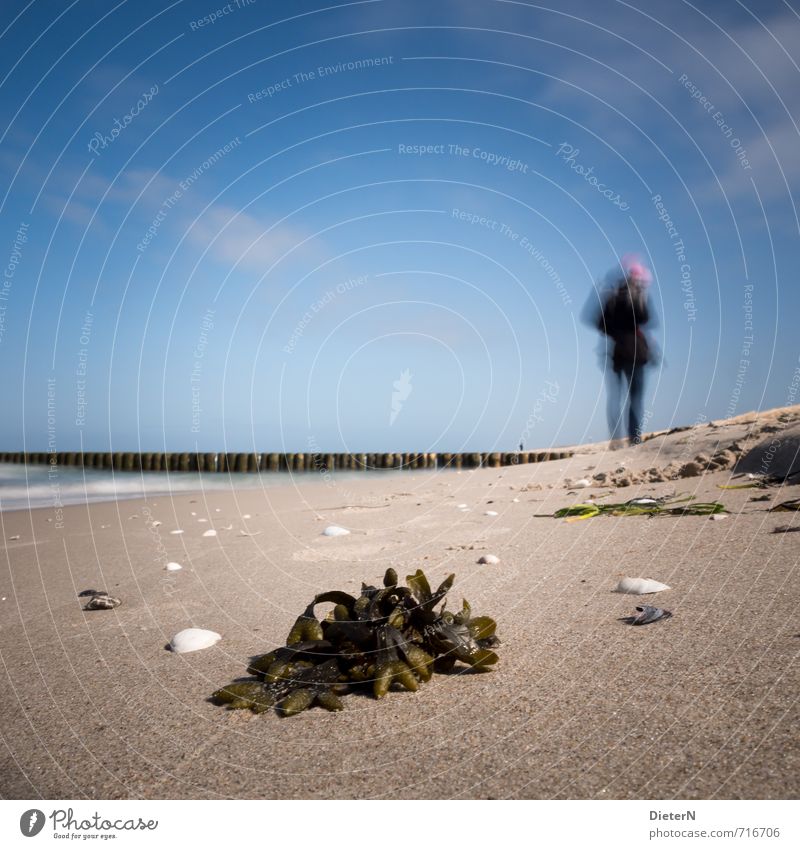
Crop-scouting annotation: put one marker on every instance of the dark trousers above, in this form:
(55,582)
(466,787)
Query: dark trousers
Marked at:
(626,388)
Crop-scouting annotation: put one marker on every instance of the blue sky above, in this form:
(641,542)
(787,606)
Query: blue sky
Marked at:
(209,242)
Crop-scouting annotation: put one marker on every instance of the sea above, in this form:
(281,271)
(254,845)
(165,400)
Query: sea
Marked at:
(24,487)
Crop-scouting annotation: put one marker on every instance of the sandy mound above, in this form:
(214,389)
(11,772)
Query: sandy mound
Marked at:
(778,453)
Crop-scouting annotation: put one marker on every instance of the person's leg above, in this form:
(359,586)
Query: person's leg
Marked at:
(635,380)
(614,406)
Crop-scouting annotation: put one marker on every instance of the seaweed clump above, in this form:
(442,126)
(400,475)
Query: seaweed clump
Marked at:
(388,637)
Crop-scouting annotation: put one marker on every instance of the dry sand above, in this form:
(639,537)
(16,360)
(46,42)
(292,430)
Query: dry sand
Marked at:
(703,705)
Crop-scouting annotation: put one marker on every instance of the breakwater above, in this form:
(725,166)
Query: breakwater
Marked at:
(129,461)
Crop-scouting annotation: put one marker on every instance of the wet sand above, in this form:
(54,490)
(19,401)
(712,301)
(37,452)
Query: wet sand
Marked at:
(581,705)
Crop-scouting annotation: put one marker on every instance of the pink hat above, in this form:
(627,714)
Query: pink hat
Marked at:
(635,268)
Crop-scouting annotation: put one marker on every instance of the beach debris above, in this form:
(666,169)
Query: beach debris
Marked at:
(193,639)
(635,507)
(491,513)
(786,529)
(16,536)
(227,527)
(489,559)
(202,521)
(639,586)
(582,483)
(791,506)
(155,523)
(718,517)
(462,506)
(335,531)
(176,532)
(246,516)
(173,567)
(645,614)
(388,637)
(515,500)
(250,533)
(762,481)
(99,600)
(209,533)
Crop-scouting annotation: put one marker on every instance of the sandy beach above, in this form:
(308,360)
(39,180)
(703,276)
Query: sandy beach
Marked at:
(581,705)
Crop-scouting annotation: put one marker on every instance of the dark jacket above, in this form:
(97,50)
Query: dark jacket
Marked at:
(623,315)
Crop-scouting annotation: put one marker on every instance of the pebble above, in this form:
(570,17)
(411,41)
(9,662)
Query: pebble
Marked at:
(335,531)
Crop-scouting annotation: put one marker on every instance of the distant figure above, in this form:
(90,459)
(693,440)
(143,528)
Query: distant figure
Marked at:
(623,313)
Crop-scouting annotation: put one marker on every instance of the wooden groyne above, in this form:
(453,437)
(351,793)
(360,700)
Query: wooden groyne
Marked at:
(152,461)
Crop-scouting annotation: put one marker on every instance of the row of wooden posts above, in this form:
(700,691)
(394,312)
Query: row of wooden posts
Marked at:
(229,462)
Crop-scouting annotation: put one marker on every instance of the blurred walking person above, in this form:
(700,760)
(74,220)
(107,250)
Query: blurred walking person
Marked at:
(624,313)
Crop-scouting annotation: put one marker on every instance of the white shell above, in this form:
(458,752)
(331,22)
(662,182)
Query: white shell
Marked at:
(461,506)
(246,516)
(173,567)
(515,500)
(335,531)
(209,533)
(193,639)
(583,482)
(718,517)
(490,513)
(489,559)
(639,586)
(175,533)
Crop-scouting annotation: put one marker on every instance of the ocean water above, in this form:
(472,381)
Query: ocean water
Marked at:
(24,487)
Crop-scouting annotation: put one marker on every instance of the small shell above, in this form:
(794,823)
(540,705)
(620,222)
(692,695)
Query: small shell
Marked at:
(209,533)
(639,586)
(582,483)
(173,567)
(101,601)
(489,559)
(491,513)
(335,531)
(193,639)
(718,517)
(647,614)
(175,533)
